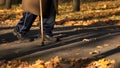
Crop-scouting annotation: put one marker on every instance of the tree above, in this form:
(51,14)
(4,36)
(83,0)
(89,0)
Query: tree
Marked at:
(8,4)
(2,2)
(76,5)
(16,1)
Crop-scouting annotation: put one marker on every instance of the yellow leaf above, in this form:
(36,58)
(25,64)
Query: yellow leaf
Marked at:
(8,66)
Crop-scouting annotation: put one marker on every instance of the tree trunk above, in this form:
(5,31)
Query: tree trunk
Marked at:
(76,5)
(8,4)
(2,2)
(16,1)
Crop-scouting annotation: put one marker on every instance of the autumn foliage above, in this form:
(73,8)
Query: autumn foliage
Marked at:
(58,62)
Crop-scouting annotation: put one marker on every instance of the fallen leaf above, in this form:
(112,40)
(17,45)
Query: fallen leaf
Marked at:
(99,47)
(94,52)
(106,45)
(86,40)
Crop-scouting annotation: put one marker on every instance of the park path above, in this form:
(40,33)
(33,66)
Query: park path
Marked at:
(76,41)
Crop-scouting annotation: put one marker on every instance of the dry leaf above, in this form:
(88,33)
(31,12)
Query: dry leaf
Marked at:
(99,47)
(106,45)
(94,52)
(86,40)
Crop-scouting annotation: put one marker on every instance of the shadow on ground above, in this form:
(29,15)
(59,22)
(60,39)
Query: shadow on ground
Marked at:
(61,32)
(70,37)
(104,55)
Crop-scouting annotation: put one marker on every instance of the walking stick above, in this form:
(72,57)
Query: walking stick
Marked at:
(41,23)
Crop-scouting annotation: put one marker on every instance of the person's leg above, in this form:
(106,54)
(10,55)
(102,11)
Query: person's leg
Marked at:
(50,20)
(25,23)
(49,24)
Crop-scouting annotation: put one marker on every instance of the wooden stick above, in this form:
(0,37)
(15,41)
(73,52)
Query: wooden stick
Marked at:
(41,23)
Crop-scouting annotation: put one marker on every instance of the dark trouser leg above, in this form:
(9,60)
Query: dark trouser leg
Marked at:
(25,22)
(50,20)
